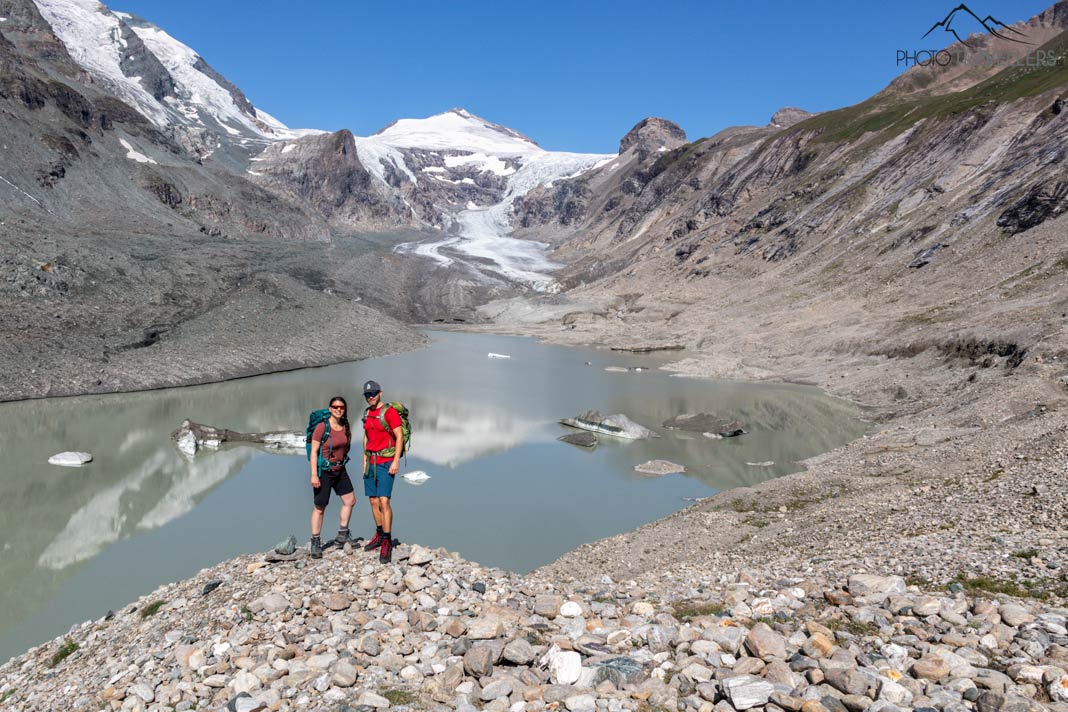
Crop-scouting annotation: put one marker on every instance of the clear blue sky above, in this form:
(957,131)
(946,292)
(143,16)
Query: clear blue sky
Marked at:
(573,76)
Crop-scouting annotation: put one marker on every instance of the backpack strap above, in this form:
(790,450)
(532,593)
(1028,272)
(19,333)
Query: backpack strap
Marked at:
(328,438)
(382,419)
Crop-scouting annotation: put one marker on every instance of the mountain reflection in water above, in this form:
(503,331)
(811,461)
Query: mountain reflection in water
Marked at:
(502,491)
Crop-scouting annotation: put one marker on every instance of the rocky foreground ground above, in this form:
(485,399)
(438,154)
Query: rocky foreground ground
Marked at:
(921,567)
(432,631)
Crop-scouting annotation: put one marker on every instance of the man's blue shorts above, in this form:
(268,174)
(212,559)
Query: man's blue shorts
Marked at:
(377,482)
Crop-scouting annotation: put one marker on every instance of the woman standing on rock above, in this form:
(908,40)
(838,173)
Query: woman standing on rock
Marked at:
(333,438)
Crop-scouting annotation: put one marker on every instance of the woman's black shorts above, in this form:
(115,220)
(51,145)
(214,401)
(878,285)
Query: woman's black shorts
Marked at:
(337,480)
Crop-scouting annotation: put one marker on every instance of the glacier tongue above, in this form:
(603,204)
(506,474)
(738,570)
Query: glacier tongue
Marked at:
(483,231)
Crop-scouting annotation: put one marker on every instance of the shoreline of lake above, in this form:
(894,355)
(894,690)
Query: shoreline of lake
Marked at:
(487,440)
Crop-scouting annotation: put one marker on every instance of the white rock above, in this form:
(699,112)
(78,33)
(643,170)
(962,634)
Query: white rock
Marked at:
(581,703)
(420,555)
(570,610)
(875,587)
(643,609)
(1029,673)
(565,666)
(659,468)
(244,681)
(274,602)
(322,661)
(896,655)
(895,694)
(335,695)
(1058,689)
(70,459)
(485,627)
(141,690)
(1014,614)
(747,691)
(370,698)
(197,659)
(704,647)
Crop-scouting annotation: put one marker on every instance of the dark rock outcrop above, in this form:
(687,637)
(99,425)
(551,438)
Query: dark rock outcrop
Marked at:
(137,61)
(325,171)
(788,116)
(1037,205)
(652,135)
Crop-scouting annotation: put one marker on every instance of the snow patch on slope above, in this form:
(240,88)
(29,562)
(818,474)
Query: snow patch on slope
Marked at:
(375,155)
(133,154)
(493,164)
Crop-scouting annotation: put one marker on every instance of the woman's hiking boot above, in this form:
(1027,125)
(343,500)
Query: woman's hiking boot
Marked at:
(386,554)
(342,537)
(374,543)
(316,548)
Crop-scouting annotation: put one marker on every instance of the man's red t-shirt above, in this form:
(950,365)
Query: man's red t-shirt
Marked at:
(377,438)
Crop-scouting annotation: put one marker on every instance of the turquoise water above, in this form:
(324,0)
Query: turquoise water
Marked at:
(77,542)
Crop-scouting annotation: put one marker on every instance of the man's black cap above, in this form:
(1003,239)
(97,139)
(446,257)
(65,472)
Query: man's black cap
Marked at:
(371,387)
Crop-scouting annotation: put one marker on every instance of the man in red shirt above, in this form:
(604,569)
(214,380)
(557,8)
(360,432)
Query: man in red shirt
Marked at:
(383,443)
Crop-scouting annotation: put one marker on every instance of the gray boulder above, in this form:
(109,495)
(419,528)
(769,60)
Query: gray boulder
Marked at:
(617,425)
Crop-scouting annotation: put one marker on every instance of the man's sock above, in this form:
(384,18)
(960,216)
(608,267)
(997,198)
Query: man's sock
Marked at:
(378,530)
(387,537)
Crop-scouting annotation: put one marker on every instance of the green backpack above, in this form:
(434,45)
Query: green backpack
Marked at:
(406,427)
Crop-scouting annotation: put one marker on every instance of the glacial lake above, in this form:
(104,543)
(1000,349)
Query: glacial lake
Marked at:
(76,542)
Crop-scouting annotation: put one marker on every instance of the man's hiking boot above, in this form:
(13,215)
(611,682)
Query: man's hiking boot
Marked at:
(374,543)
(316,548)
(386,555)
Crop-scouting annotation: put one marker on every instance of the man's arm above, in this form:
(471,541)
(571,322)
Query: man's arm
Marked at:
(398,445)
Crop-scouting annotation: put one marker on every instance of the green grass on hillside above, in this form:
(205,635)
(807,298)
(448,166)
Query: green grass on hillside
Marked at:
(895,117)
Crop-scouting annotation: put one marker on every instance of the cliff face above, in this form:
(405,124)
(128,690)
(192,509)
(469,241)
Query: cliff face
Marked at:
(325,172)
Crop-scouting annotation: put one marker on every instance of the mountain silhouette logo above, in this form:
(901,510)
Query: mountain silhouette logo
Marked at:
(960,16)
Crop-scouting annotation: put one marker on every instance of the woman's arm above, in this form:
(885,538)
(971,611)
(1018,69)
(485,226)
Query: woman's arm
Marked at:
(316,444)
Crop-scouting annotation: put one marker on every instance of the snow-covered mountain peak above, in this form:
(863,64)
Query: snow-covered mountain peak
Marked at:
(164,79)
(456,130)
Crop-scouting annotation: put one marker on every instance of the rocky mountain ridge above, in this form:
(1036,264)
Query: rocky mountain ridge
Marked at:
(892,181)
